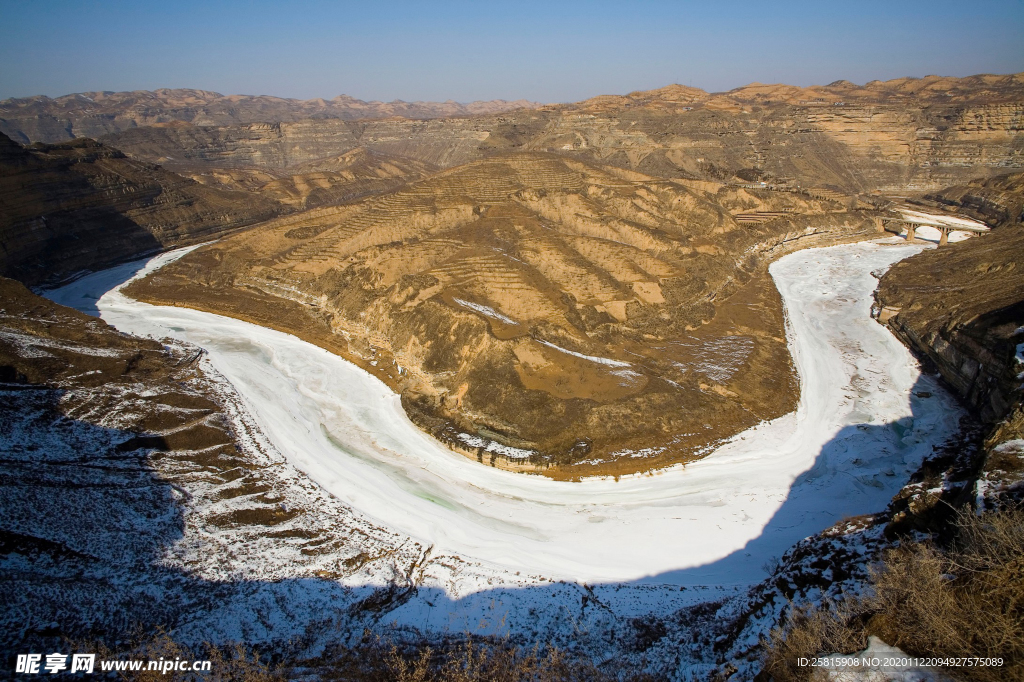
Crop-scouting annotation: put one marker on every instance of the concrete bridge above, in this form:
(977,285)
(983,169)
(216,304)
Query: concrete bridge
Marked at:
(945,224)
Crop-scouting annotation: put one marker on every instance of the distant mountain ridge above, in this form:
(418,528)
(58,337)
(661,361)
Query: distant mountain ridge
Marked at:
(978,89)
(841,139)
(93,114)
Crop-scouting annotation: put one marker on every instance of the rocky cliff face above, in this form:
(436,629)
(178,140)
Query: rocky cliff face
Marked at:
(853,147)
(841,139)
(81,205)
(963,307)
(93,114)
(998,201)
(538,307)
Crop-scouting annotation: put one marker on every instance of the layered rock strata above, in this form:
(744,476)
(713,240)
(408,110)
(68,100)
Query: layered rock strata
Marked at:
(962,309)
(836,140)
(92,114)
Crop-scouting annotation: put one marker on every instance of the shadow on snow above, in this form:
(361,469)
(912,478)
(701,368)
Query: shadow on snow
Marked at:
(86,522)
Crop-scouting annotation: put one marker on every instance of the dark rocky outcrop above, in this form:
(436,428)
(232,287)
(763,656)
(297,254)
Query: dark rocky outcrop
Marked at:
(81,205)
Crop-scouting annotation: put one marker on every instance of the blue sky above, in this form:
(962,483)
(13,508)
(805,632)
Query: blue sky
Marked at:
(547,51)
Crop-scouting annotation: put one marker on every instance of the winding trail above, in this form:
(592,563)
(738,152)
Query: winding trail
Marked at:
(859,430)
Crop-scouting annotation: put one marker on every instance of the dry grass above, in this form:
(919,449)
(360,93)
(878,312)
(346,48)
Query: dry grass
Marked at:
(808,632)
(235,663)
(474,661)
(373,660)
(965,600)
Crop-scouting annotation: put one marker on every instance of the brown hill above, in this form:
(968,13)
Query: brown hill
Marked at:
(892,136)
(980,89)
(581,312)
(324,182)
(241,179)
(280,146)
(80,205)
(93,114)
(669,97)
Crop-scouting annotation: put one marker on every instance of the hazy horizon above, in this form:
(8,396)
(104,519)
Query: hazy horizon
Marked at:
(510,99)
(544,52)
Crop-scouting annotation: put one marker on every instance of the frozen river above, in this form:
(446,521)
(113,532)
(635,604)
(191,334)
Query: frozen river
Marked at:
(858,432)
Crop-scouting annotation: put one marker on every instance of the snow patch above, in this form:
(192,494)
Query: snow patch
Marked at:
(592,358)
(495,447)
(487,311)
(31,346)
(717,359)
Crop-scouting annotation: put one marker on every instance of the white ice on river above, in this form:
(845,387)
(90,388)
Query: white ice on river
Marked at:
(858,432)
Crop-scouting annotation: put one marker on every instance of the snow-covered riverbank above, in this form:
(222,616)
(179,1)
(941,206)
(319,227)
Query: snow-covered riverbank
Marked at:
(865,420)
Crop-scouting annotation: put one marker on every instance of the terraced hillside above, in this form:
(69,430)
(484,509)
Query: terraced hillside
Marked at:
(333,180)
(534,310)
(277,146)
